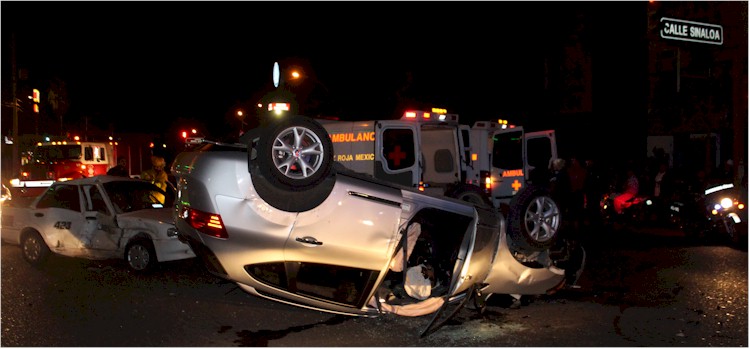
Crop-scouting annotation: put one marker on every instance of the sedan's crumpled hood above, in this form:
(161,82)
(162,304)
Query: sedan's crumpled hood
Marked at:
(160,219)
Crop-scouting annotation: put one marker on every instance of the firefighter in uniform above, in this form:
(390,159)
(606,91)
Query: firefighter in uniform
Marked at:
(157,175)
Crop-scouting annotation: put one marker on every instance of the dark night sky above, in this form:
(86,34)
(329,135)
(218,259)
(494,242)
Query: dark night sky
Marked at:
(155,62)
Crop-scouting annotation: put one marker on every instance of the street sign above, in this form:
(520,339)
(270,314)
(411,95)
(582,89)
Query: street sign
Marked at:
(678,29)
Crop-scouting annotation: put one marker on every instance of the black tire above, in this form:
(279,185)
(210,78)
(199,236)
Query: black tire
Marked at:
(140,255)
(276,172)
(296,153)
(33,248)
(470,193)
(534,219)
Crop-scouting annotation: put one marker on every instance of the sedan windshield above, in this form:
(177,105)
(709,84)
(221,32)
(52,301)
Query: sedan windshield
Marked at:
(129,196)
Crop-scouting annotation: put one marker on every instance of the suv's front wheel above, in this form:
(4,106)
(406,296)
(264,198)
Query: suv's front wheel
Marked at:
(534,219)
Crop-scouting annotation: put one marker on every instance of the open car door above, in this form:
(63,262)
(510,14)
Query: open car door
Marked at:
(340,263)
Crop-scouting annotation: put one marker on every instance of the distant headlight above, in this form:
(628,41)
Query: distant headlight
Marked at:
(726,203)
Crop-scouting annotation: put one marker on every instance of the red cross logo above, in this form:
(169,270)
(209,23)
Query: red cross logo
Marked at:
(516,184)
(396,156)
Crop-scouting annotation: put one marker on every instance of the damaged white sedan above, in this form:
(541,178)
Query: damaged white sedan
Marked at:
(101,217)
(274,214)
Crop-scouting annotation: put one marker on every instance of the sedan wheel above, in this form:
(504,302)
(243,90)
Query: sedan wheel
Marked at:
(140,255)
(34,249)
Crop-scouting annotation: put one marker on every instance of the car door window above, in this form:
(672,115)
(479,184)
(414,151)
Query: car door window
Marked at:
(334,283)
(507,152)
(89,154)
(398,148)
(61,196)
(95,200)
(331,282)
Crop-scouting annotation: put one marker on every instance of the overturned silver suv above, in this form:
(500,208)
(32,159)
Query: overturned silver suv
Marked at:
(276,215)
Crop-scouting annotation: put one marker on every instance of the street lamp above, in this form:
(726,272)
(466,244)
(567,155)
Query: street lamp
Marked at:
(241,118)
(313,94)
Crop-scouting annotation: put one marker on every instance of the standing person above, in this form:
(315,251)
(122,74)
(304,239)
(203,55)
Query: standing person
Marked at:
(157,175)
(726,173)
(662,190)
(577,176)
(121,169)
(560,187)
(593,188)
(699,182)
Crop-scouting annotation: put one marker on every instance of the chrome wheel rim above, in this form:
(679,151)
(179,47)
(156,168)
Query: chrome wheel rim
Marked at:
(32,249)
(542,219)
(297,152)
(138,257)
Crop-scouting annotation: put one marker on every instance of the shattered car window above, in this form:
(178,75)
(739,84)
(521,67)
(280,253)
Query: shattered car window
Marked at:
(61,196)
(129,196)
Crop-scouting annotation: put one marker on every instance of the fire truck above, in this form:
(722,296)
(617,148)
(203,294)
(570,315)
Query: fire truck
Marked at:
(487,163)
(62,161)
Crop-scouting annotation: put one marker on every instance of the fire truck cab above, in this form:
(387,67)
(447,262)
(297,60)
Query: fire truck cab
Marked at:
(61,161)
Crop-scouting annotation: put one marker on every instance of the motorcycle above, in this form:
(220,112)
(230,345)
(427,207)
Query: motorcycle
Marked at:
(635,212)
(718,211)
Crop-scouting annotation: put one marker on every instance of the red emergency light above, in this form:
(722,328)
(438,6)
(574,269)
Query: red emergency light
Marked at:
(278,106)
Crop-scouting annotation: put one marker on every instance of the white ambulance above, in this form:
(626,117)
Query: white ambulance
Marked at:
(430,150)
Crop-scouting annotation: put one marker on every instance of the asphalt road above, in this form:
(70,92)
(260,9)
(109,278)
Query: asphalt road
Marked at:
(640,288)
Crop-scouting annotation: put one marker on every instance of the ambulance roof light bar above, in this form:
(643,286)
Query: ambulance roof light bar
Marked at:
(436,114)
(489,125)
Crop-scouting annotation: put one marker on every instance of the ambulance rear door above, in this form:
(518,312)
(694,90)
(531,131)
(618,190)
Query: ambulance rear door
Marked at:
(508,165)
(540,150)
(519,159)
(397,159)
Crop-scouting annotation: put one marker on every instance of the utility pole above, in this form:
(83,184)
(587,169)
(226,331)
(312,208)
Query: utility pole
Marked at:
(14,83)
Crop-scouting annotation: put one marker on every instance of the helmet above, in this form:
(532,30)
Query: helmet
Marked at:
(158,162)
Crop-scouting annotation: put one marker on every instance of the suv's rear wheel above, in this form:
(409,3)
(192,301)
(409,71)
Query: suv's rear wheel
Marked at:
(295,157)
(534,219)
